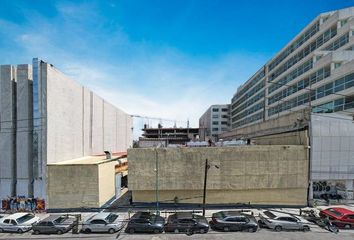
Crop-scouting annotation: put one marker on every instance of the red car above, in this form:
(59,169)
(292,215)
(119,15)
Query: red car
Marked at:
(341,217)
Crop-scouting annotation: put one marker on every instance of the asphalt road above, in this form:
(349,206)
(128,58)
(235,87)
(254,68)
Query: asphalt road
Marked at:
(262,234)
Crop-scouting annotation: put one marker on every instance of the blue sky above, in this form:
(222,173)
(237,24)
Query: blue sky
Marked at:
(168,59)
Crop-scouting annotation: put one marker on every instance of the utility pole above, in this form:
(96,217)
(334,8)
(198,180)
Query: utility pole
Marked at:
(207,166)
(157,182)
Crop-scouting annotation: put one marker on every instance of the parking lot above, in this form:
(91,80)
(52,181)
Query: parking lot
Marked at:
(315,233)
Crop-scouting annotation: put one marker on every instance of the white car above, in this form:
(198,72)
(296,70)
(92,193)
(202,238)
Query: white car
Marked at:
(103,222)
(18,222)
(279,221)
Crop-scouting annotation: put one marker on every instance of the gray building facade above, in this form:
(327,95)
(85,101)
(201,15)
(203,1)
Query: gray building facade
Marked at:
(215,120)
(46,117)
(315,69)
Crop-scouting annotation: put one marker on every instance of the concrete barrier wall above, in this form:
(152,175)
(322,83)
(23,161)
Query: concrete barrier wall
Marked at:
(256,174)
(290,138)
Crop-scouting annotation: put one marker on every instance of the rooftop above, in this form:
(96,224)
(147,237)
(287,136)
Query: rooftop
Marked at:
(91,160)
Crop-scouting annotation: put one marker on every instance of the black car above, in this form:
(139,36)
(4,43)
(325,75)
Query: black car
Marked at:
(186,222)
(233,221)
(145,222)
(58,224)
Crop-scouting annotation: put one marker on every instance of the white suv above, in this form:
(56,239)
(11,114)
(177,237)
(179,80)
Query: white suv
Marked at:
(18,222)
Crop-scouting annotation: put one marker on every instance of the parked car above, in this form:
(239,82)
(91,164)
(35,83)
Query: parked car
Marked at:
(341,217)
(145,222)
(103,222)
(18,222)
(233,221)
(186,222)
(283,221)
(58,224)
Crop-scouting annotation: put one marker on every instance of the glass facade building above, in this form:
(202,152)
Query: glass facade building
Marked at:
(314,70)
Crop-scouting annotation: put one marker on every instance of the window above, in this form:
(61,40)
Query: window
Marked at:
(224,123)
(215,116)
(7,221)
(215,129)
(337,65)
(98,221)
(13,222)
(215,122)
(224,109)
(215,109)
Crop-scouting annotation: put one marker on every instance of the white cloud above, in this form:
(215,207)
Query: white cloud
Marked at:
(162,83)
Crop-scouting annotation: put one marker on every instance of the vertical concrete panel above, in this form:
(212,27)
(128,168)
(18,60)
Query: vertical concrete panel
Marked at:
(86,122)
(64,116)
(110,127)
(7,131)
(97,125)
(24,130)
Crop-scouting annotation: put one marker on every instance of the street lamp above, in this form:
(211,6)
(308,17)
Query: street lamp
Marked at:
(207,167)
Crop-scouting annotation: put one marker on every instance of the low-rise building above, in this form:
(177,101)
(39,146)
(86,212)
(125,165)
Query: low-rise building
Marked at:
(215,121)
(85,182)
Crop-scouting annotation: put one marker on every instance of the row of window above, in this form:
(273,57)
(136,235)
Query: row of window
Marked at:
(249,111)
(222,123)
(320,40)
(303,38)
(323,91)
(248,103)
(294,74)
(249,119)
(338,43)
(223,109)
(248,94)
(310,80)
(254,81)
(335,106)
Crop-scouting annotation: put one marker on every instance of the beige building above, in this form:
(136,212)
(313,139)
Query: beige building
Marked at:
(83,182)
(257,174)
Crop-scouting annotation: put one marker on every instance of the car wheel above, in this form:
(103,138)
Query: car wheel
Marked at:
(202,231)
(19,230)
(131,230)
(347,226)
(1,230)
(111,231)
(176,230)
(87,230)
(226,229)
(278,228)
(156,231)
(306,228)
(251,230)
(36,232)
(59,232)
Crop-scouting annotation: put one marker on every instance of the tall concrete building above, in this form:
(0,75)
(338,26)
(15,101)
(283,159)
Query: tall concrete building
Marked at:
(45,117)
(215,120)
(315,69)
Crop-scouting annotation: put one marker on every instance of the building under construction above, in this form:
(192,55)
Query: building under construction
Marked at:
(153,137)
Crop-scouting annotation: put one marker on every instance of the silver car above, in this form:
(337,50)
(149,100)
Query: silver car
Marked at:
(18,222)
(283,221)
(103,222)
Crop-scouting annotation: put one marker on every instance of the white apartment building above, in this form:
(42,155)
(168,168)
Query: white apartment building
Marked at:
(315,69)
(215,120)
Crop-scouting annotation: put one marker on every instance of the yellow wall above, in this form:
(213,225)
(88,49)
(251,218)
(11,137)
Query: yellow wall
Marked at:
(106,181)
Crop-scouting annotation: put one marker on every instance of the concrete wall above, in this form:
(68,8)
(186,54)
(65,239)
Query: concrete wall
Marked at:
(289,138)
(256,174)
(24,164)
(7,130)
(71,186)
(81,123)
(281,124)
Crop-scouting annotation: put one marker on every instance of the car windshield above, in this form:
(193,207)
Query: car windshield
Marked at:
(269,214)
(25,218)
(111,217)
(331,210)
(60,219)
